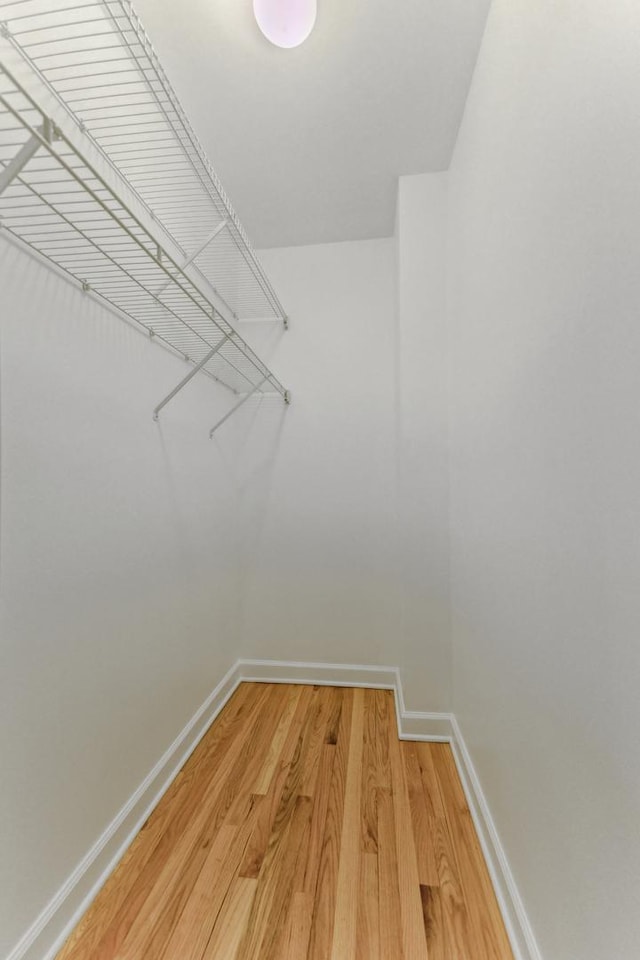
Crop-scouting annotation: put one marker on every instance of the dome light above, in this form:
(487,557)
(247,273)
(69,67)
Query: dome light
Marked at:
(286,23)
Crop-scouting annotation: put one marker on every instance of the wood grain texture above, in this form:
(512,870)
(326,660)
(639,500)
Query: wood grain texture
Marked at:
(298,930)
(389,889)
(421,818)
(169,893)
(232,921)
(272,759)
(455,930)
(324,907)
(368,941)
(301,828)
(482,908)
(346,910)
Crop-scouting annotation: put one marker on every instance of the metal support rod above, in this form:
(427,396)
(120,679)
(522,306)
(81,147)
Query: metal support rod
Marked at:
(21,159)
(189,377)
(234,408)
(196,253)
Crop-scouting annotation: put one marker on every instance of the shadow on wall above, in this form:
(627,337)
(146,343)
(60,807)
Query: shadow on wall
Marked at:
(251,470)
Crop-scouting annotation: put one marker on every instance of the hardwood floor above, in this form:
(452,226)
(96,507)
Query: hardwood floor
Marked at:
(302,827)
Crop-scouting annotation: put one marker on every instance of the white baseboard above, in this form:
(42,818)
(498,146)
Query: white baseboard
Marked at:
(51,928)
(49,931)
(521,936)
(411,724)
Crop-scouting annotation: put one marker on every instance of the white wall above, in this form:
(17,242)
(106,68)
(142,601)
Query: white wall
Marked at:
(119,564)
(321,557)
(346,559)
(424,647)
(544,294)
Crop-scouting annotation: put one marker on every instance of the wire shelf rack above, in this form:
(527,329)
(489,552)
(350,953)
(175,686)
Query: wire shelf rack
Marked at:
(186,272)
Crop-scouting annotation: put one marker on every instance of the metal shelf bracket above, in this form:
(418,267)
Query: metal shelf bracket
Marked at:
(236,407)
(24,154)
(189,376)
(286,398)
(196,253)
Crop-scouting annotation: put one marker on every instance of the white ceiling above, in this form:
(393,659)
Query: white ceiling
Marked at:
(309,142)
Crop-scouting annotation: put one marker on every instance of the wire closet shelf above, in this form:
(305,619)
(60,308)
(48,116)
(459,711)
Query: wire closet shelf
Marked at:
(116,190)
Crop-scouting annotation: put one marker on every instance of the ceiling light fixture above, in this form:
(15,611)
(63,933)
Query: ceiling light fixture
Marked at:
(286,23)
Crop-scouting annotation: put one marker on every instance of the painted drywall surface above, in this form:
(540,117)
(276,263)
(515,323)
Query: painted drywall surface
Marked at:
(321,536)
(424,651)
(120,576)
(544,289)
(309,143)
(330,558)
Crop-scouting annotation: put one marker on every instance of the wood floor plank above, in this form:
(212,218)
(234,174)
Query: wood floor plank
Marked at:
(414,944)
(272,758)
(370,776)
(287,920)
(195,925)
(348,882)
(391,945)
(239,800)
(322,705)
(368,938)
(435,931)
(391,941)
(284,850)
(302,829)
(290,915)
(385,720)
(324,908)
(285,781)
(296,943)
(484,915)
(332,699)
(455,931)
(232,921)
(335,716)
(319,818)
(423,823)
(274,887)
(193,929)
